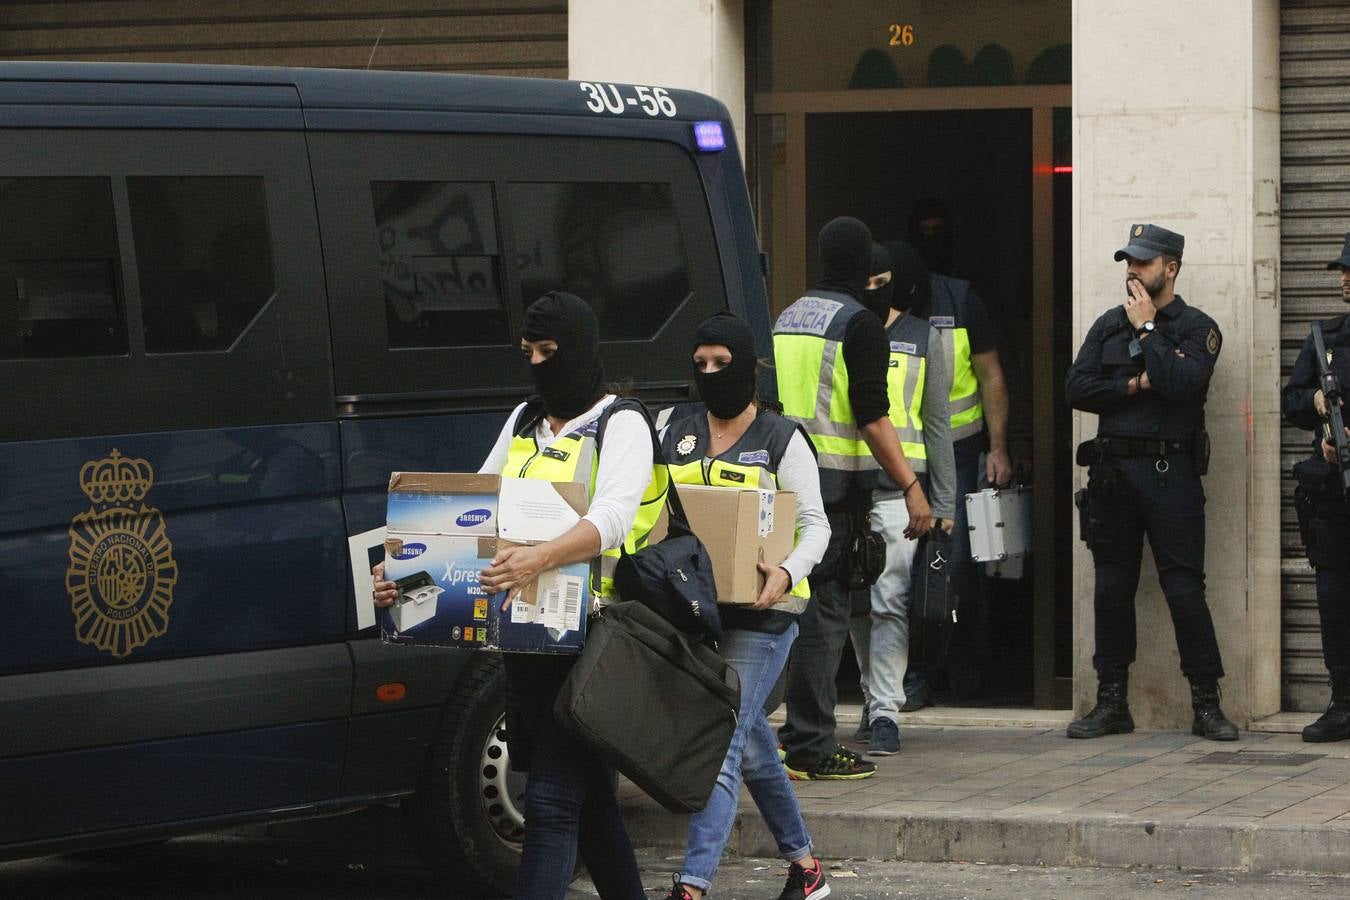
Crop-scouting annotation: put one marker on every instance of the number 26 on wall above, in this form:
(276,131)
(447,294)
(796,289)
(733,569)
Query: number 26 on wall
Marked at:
(901,35)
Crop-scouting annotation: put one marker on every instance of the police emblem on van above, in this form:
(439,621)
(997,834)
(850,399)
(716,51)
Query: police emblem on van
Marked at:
(473,517)
(122,572)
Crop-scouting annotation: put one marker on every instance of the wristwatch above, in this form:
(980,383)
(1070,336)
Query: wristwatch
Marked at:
(1146,328)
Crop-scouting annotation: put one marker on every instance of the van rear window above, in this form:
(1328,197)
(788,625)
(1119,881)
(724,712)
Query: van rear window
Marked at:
(439,263)
(618,245)
(60,292)
(204,259)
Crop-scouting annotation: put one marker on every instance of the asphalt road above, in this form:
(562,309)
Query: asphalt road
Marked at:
(343,859)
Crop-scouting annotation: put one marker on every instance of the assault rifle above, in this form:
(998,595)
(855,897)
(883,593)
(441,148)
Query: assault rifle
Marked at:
(1331,392)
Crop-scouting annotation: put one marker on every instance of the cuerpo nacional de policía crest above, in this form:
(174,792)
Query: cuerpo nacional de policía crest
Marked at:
(122,571)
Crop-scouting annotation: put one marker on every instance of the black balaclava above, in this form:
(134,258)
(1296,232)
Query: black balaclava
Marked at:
(913,285)
(729,390)
(572,379)
(930,231)
(845,256)
(879,300)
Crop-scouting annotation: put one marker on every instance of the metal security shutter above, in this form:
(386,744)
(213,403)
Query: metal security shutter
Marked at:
(1314,216)
(490,37)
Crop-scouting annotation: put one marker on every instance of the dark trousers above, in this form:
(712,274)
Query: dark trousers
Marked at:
(1333,607)
(1138,501)
(808,736)
(570,801)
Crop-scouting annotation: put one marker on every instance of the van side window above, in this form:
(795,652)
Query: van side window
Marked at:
(60,283)
(439,261)
(616,244)
(204,259)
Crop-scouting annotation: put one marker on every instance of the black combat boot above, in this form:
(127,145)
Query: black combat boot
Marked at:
(1111,715)
(1334,724)
(1210,722)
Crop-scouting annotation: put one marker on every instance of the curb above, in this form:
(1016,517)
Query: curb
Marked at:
(1042,840)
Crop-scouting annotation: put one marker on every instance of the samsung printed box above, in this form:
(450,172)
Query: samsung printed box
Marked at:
(440,528)
(549,614)
(741,527)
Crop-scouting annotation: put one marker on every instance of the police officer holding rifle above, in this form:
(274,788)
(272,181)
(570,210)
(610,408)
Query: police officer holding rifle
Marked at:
(1144,369)
(1313,400)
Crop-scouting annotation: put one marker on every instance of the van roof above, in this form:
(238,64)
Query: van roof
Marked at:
(324,89)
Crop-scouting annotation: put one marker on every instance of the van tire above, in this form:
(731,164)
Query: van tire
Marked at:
(451,817)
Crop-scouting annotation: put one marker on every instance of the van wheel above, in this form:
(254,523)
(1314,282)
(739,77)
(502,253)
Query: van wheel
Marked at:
(467,817)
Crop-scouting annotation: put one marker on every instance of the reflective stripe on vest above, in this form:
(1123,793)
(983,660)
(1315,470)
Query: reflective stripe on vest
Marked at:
(813,387)
(904,386)
(575,457)
(948,316)
(966,410)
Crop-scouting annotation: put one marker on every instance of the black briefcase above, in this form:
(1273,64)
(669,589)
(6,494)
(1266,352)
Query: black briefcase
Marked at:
(931,598)
(659,705)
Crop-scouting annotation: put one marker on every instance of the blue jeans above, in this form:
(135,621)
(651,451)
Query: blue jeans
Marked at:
(752,756)
(570,802)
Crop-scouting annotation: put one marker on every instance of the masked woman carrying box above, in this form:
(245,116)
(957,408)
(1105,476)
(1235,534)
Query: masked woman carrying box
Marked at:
(738,444)
(605,442)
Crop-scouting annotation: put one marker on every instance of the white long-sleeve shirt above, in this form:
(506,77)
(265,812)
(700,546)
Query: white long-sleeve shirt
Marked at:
(624,470)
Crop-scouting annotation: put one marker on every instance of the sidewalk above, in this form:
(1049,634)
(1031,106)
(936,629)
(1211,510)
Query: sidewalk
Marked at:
(1029,795)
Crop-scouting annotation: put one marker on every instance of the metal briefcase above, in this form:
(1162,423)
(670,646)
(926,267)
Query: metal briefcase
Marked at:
(1000,523)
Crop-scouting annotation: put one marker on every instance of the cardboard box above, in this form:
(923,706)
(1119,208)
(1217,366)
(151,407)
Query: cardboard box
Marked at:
(437,523)
(549,614)
(741,528)
(1000,523)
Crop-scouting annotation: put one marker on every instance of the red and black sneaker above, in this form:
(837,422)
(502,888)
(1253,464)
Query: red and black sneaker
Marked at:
(677,891)
(803,883)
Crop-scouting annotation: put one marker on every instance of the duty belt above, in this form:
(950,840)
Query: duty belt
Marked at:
(1111,446)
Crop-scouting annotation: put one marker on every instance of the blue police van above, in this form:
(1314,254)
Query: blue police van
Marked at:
(232,301)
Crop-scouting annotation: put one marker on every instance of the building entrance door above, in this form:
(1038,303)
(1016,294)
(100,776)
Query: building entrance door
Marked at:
(999,158)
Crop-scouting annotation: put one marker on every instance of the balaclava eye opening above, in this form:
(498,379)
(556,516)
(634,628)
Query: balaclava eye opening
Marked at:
(878,300)
(729,390)
(572,379)
(913,285)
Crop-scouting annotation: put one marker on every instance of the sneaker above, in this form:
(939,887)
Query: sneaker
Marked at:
(803,883)
(842,765)
(885,738)
(864,733)
(918,694)
(677,891)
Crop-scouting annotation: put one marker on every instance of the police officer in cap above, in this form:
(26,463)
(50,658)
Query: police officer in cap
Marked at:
(1144,369)
(1323,510)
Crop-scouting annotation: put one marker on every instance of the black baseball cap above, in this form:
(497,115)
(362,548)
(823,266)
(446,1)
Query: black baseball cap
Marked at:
(1147,241)
(1344,261)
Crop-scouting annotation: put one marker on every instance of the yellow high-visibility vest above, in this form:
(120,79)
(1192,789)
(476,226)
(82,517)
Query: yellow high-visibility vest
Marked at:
(575,457)
(752,462)
(812,378)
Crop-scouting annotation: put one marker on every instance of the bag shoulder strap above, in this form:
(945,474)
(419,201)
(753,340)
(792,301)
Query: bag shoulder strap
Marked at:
(678,520)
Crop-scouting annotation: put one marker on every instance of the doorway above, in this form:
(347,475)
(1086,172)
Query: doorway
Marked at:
(1000,157)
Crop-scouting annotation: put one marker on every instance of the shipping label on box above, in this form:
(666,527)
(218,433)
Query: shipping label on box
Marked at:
(440,602)
(740,528)
(548,616)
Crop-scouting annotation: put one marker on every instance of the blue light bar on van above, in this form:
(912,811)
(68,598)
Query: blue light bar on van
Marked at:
(709,137)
